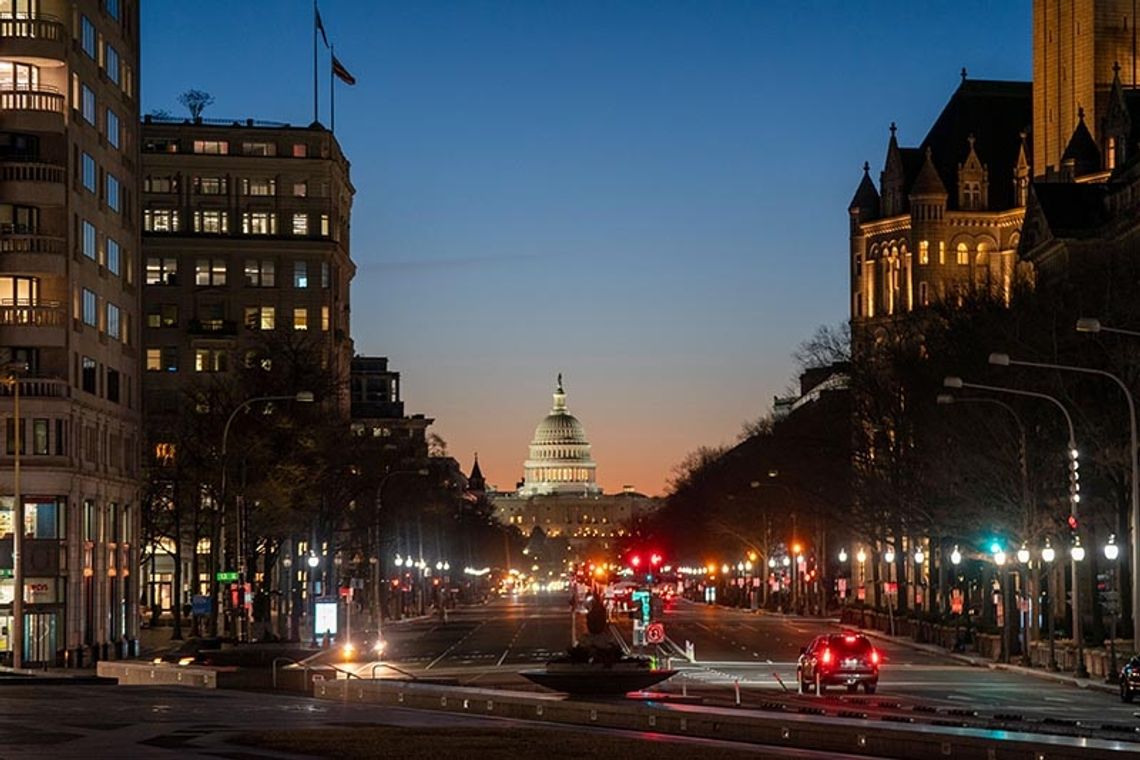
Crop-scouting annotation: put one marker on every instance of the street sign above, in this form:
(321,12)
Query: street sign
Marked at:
(201,604)
(227,576)
(655,633)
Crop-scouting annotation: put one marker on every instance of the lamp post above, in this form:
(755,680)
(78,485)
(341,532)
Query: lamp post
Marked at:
(1077,552)
(305,397)
(1048,554)
(16,640)
(957,382)
(1088,325)
(1023,558)
(1111,553)
(999,557)
(313,562)
(889,558)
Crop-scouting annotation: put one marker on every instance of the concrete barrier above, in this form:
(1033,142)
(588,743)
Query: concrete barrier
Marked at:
(837,735)
(164,674)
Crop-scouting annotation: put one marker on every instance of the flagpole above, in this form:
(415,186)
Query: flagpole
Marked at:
(332,90)
(316,113)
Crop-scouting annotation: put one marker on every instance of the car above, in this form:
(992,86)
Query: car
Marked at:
(1130,679)
(843,659)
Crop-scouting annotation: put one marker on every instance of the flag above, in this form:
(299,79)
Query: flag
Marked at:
(341,72)
(320,26)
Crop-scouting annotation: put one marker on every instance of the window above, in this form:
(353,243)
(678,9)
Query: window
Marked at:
(170,359)
(90,308)
(324,225)
(259,187)
(113,321)
(300,150)
(210,272)
(89,240)
(941,251)
(300,189)
(300,224)
(154,360)
(87,103)
(210,360)
(87,37)
(258,223)
(300,318)
(160,184)
(259,149)
(10,436)
(111,63)
(112,8)
(325,318)
(210,185)
(88,374)
(113,193)
(113,129)
(113,257)
(160,220)
(212,147)
(300,274)
(324,274)
(963,255)
(162,315)
(259,273)
(40,443)
(923,294)
(90,174)
(161,271)
(113,386)
(261,317)
(924,252)
(211,221)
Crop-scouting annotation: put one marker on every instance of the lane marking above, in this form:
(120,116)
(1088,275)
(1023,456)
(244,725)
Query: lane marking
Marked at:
(511,644)
(448,651)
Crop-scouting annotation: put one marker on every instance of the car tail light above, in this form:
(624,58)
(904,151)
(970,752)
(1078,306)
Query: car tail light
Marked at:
(826,658)
(874,656)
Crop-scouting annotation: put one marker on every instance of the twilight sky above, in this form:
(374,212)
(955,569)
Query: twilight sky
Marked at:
(648,196)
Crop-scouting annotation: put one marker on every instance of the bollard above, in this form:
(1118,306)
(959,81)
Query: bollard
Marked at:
(736,687)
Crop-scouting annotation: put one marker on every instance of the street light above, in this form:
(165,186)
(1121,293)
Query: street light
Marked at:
(16,640)
(1023,554)
(375,597)
(1094,325)
(889,556)
(1077,552)
(955,556)
(1048,554)
(304,397)
(919,557)
(1111,552)
(861,556)
(842,555)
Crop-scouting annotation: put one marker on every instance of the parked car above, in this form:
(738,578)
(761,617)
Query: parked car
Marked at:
(845,659)
(1130,679)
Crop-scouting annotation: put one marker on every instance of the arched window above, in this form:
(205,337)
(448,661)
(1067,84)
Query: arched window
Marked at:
(963,254)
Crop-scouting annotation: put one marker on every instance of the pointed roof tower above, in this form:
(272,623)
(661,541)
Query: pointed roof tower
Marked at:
(476,482)
(865,203)
(1082,150)
(928,184)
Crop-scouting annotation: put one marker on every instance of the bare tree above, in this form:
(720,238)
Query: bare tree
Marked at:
(196,101)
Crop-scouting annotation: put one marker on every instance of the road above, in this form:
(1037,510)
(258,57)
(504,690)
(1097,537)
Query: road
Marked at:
(489,645)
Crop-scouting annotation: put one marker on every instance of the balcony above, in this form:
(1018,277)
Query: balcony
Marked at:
(40,37)
(33,182)
(31,253)
(39,109)
(33,324)
(38,387)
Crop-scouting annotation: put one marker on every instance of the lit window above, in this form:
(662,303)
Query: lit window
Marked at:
(210,360)
(160,184)
(162,315)
(300,318)
(261,317)
(963,254)
(88,376)
(923,294)
(325,318)
(211,221)
(111,64)
(212,147)
(161,271)
(300,150)
(259,149)
(87,37)
(300,274)
(266,187)
(300,224)
(90,174)
(210,185)
(260,273)
(113,257)
(258,223)
(300,189)
(210,272)
(113,321)
(923,252)
(90,308)
(89,240)
(113,192)
(87,102)
(324,225)
(154,360)
(113,128)
(941,251)
(160,220)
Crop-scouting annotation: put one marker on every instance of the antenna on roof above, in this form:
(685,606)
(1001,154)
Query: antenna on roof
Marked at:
(963,73)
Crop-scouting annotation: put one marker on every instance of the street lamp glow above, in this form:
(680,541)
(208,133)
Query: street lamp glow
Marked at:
(771,562)
(861,556)
(313,560)
(1088,325)
(747,566)
(1048,554)
(787,561)
(842,555)
(1111,550)
(999,558)
(955,556)
(919,556)
(1023,554)
(1078,551)
(889,555)
(725,568)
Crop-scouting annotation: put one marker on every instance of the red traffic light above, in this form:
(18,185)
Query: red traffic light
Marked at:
(1072,522)
(635,561)
(655,559)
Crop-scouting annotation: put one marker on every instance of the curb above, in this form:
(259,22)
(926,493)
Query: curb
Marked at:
(979,662)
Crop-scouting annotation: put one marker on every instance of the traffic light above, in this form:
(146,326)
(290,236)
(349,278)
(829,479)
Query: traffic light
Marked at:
(635,561)
(1074,477)
(655,559)
(1072,523)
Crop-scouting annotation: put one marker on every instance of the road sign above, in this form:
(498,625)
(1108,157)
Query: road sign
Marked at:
(201,604)
(655,633)
(227,576)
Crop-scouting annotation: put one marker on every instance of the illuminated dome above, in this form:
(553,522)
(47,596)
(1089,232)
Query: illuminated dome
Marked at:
(560,461)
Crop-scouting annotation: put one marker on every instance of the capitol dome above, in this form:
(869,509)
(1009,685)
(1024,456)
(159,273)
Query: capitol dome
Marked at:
(560,461)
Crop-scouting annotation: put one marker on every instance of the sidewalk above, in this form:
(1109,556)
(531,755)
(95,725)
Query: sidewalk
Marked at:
(982,662)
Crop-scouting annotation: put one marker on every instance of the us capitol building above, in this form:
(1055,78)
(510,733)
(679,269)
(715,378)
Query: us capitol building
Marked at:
(559,493)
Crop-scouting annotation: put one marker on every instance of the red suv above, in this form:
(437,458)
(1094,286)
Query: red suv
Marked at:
(845,659)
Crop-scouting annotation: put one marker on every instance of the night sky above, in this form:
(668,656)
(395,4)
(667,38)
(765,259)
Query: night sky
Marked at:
(649,197)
